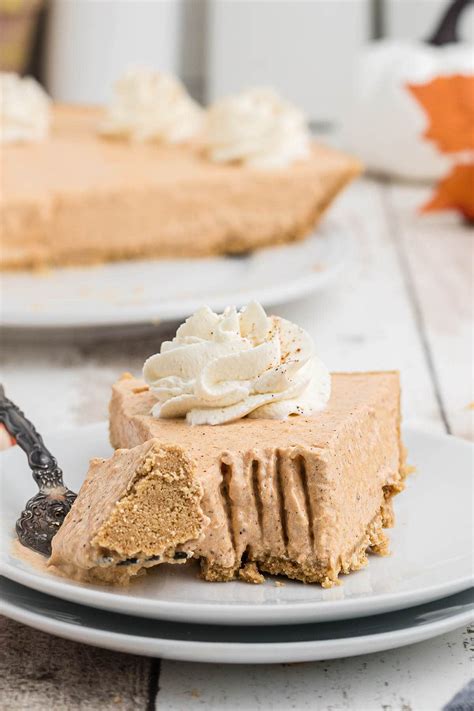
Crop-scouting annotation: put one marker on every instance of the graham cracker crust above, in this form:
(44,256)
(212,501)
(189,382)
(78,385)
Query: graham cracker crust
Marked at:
(373,541)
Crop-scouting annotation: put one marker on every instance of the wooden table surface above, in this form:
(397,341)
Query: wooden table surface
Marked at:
(403,302)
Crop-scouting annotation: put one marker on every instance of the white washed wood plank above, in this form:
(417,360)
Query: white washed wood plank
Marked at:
(438,251)
(61,384)
(39,672)
(365,320)
(421,677)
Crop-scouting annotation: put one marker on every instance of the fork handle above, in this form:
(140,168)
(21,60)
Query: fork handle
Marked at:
(43,465)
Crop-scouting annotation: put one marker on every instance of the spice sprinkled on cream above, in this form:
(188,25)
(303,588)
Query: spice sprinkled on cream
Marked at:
(222,367)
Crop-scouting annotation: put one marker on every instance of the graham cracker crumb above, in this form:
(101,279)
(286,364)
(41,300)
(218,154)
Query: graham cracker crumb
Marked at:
(330,583)
(250,574)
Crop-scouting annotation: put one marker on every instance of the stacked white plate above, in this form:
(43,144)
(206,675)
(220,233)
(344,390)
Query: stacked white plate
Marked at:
(421,590)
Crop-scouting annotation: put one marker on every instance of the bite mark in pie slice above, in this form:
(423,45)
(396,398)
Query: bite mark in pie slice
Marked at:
(139,508)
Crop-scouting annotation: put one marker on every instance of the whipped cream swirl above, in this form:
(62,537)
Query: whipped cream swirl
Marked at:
(221,367)
(256,128)
(149,106)
(24,109)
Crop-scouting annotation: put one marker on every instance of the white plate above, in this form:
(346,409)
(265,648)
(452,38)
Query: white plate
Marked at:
(148,291)
(431,546)
(247,645)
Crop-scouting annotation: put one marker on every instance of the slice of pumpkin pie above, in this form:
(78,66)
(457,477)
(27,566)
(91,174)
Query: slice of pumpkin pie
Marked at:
(292,471)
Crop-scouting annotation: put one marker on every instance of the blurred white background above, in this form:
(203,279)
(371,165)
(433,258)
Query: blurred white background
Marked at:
(304,48)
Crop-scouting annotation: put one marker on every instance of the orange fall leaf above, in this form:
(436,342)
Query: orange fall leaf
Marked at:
(455,192)
(449,104)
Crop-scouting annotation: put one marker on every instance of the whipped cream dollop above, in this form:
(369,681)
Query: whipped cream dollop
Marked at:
(148,105)
(221,367)
(25,109)
(256,128)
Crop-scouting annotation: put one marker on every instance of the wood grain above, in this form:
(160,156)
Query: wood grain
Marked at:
(421,677)
(366,320)
(41,672)
(437,256)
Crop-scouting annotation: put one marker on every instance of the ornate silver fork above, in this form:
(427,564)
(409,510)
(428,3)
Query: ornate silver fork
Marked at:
(45,511)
